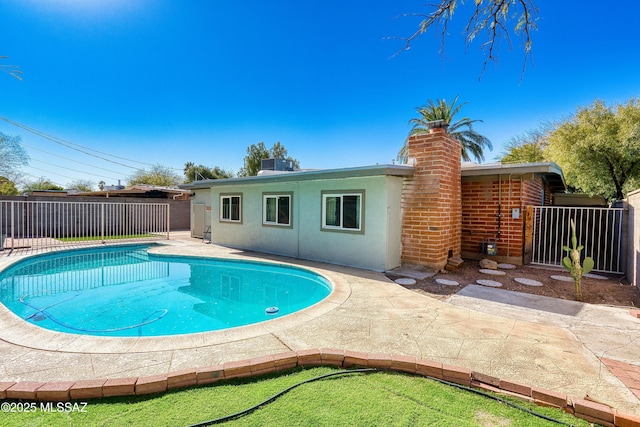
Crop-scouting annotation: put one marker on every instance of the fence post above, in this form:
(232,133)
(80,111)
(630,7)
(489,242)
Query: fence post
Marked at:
(12,223)
(102,222)
(624,239)
(168,207)
(528,235)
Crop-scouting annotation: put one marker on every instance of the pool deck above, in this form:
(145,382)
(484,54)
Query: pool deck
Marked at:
(558,345)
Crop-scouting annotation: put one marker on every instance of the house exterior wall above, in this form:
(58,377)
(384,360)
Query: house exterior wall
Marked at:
(484,198)
(378,247)
(633,235)
(431,225)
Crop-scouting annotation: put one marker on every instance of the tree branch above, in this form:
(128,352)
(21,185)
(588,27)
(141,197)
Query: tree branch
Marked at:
(616,182)
(491,16)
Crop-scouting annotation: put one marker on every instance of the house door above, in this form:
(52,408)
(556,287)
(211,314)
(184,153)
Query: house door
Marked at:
(197,222)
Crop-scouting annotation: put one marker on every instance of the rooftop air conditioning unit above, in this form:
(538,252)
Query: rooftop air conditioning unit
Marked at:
(276,165)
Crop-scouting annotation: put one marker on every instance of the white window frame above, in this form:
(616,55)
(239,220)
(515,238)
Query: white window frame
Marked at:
(230,197)
(341,194)
(277,197)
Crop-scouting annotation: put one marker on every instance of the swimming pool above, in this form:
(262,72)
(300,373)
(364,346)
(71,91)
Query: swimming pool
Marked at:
(126,291)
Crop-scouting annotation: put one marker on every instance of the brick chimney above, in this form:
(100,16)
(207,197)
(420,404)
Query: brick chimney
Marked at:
(431,200)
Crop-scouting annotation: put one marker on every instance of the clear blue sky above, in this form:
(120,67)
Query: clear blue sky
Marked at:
(168,82)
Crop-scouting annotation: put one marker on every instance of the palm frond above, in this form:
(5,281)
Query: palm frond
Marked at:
(473,143)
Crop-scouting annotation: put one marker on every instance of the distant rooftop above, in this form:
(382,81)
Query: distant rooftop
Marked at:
(138,190)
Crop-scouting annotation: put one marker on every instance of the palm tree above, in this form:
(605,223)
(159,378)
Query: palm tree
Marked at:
(472,142)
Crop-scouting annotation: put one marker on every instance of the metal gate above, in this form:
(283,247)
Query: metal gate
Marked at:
(599,230)
(41,224)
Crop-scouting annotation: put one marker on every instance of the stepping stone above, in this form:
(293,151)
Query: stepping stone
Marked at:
(595,276)
(490,283)
(447,282)
(492,272)
(562,278)
(414,273)
(528,282)
(405,281)
(505,266)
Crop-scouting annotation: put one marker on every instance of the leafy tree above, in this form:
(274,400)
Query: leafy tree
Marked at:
(599,148)
(193,172)
(279,152)
(489,20)
(257,152)
(8,187)
(528,147)
(162,176)
(101,185)
(80,186)
(472,142)
(42,184)
(12,155)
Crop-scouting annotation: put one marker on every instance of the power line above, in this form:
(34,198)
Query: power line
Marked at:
(39,177)
(75,170)
(71,160)
(71,146)
(42,170)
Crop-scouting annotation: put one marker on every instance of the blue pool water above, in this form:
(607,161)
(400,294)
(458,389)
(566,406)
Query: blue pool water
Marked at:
(126,291)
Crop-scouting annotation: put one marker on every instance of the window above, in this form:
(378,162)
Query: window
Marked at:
(342,211)
(231,208)
(276,209)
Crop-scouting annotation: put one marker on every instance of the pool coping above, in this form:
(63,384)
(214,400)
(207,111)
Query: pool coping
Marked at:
(66,391)
(16,330)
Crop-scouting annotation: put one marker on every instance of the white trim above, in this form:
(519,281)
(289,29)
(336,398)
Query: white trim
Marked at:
(341,195)
(230,197)
(264,209)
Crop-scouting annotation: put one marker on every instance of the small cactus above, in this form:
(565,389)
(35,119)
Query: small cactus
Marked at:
(572,262)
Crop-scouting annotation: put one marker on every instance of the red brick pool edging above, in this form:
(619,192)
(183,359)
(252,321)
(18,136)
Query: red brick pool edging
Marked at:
(63,391)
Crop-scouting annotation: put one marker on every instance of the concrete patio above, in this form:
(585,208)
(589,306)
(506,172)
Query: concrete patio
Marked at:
(558,348)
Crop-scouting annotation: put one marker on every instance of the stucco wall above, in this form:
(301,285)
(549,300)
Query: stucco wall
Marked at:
(377,248)
(633,257)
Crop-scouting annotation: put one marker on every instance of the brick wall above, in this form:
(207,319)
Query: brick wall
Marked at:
(483,199)
(431,226)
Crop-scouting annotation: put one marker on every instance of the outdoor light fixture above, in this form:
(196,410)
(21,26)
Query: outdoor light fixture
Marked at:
(437,124)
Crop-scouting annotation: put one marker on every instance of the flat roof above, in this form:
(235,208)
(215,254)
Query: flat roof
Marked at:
(307,175)
(551,171)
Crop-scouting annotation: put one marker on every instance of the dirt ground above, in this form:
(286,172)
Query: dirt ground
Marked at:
(595,291)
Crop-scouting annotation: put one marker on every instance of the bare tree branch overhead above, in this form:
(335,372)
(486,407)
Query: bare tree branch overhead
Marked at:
(490,21)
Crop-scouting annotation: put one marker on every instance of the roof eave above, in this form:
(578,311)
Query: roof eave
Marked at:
(550,170)
(362,171)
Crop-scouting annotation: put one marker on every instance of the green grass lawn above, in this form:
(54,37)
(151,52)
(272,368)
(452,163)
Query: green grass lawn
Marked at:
(372,399)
